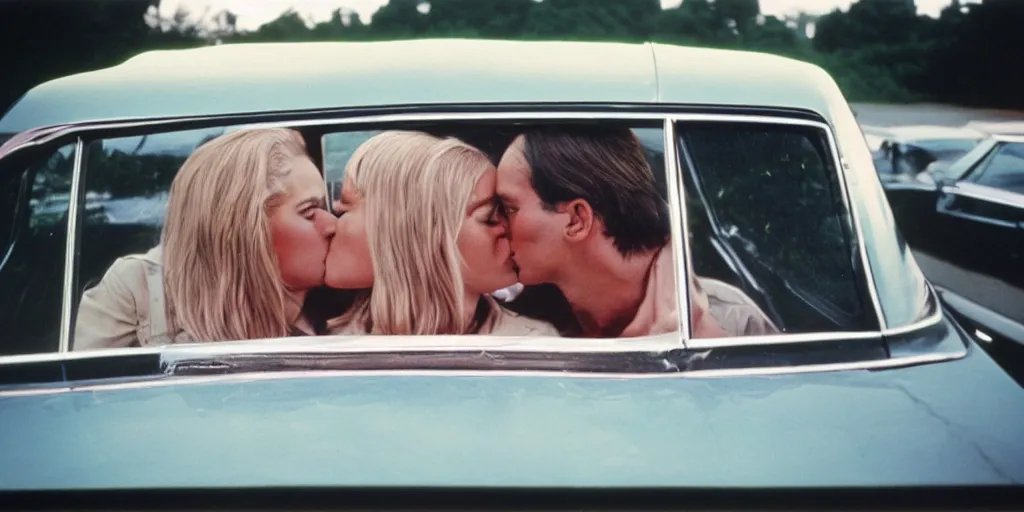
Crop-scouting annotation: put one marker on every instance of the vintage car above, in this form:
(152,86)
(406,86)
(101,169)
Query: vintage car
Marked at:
(907,150)
(872,380)
(965,223)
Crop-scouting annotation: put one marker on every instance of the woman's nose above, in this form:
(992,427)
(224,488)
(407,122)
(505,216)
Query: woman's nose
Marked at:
(324,223)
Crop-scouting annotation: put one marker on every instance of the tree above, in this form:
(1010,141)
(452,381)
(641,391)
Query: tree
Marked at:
(694,21)
(741,14)
(399,19)
(289,26)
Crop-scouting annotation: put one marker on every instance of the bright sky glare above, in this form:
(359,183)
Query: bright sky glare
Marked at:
(253,13)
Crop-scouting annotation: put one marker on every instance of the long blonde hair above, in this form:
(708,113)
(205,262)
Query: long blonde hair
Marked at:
(220,271)
(416,188)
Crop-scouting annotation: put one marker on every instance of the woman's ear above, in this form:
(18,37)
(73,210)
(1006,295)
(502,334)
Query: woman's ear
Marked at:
(580,219)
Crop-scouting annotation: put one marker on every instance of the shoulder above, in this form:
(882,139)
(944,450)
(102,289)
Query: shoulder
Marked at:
(735,311)
(136,266)
(724,292)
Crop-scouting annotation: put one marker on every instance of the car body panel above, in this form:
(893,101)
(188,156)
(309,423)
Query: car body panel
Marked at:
(956,422)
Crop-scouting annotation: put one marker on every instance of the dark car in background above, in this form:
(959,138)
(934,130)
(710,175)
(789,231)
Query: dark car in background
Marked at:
(902,152)
(965,223)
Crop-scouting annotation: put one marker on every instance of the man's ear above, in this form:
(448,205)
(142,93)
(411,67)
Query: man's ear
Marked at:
(581,219)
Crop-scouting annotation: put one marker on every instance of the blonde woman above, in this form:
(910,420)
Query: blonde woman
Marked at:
(245,239)
(420,224)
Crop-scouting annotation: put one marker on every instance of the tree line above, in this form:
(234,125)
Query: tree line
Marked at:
(877,50)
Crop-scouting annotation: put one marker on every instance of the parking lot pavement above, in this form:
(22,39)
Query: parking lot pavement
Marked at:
(885,115)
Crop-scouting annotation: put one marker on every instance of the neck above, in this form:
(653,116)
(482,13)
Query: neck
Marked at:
(293,301)
(605,290)
(470,302)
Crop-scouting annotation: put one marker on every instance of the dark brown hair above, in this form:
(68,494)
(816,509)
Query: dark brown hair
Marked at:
(606,167)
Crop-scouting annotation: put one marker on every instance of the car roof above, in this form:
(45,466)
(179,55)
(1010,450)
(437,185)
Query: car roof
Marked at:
(261,77)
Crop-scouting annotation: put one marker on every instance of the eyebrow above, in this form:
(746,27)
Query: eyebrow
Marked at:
(313,201)
(505,199)
(477,204)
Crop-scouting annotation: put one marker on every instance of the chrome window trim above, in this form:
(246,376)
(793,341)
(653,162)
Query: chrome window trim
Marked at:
(158,382)
(70,249)
(667,120)
(985,193)
(677,217)
(847,201)
(844,171)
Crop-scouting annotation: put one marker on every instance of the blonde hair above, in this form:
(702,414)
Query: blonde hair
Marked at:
(220,271)
(416,188)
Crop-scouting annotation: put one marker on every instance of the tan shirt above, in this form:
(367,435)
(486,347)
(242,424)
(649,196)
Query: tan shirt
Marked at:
(659,309)
(722,310)
(126,308)
(502,322)
(737,313)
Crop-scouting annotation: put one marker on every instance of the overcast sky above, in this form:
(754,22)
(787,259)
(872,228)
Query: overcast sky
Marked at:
(253,13)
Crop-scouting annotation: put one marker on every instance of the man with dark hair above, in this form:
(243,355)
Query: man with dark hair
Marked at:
(585,215)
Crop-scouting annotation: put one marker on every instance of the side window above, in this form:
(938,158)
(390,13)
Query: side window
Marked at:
(1003,169)
(126,182)
(34,237)
(338,149)
(629,188)
(768,225)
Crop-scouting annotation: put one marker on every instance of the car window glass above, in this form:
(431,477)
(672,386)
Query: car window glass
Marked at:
(766,218)
(126,182)
(1003,169)
(35,216)
(543,301)
(338,148)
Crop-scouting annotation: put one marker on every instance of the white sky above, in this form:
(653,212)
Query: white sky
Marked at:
(253,13)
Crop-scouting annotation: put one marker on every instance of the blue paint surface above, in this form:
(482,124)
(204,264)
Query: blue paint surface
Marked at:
(956,422)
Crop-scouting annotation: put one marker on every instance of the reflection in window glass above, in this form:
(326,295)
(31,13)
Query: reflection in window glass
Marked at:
(34,213)
(766,218)
(338,149)
(126,183)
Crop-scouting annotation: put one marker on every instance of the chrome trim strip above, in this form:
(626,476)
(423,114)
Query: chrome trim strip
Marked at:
(977,218)
(677,216)
(565,345)
(878,364)
(928,321)
(56,357)
(70,250)
(779,339)
(986,319)
(371,344)
(985,193)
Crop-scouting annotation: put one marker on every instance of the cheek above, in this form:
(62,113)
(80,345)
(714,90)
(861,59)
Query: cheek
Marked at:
(295,237)
(482,246)
(528,227)
(348,261)
(300,250)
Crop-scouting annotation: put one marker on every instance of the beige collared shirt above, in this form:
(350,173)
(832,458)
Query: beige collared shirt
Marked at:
(501,322)
(126,308)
